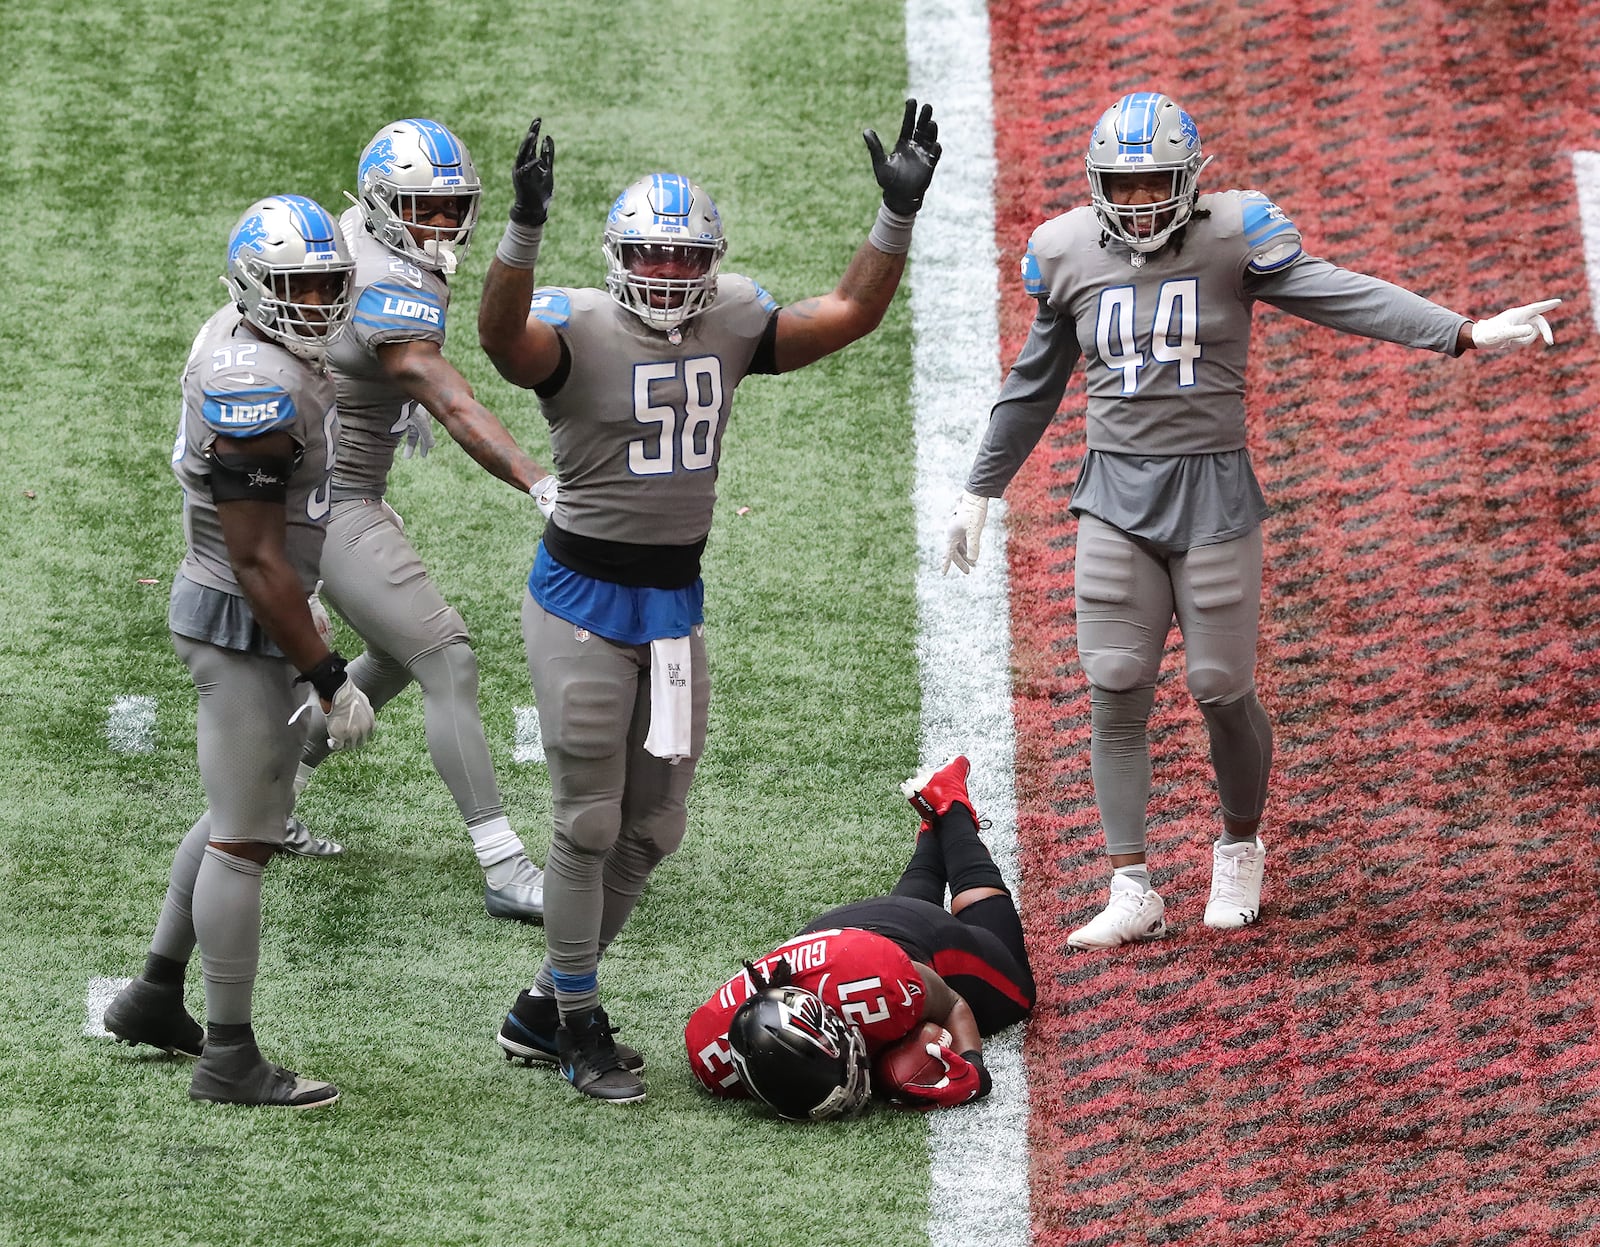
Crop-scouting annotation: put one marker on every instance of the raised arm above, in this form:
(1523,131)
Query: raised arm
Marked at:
(815,327)
(524,349)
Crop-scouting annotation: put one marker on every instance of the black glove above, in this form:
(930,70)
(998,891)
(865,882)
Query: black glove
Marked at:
(533,178)
(985,1083)
(905,172)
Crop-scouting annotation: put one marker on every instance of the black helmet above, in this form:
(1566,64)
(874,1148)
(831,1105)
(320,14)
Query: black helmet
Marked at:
(798,1056)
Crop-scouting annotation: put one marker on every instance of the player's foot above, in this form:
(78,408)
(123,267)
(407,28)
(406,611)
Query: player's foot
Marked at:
(529,1034)
(152,1013)
(1130,916)
(239,1074)
(520,897)
(1236,874)
(299,841)
(934,791)
(590,1062)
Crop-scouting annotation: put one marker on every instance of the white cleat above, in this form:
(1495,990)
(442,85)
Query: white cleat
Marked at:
(1236,874)
(520,897)
(1130,916)
(302,842)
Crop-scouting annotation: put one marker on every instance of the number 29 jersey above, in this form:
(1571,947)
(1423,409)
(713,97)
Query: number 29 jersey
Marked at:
(869,979)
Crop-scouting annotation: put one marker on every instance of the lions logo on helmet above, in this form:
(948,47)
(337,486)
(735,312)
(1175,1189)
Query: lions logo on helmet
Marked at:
(1145,132)
(419,192)
(291,274)
(798,1056)
(663,243)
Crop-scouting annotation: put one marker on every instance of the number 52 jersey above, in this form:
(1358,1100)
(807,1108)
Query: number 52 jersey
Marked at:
(869,979)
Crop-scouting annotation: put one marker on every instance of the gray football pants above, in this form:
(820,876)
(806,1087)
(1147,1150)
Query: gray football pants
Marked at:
(374,578)
(1127,597)
(247,752)
(617,810)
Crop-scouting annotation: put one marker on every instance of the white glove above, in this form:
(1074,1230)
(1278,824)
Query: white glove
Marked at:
(545,491)
(1516,326)
(965,532)
(350,718)
(319,616)
(419,433)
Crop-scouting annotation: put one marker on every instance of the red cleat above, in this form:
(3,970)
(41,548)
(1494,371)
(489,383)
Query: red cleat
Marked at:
(933,792)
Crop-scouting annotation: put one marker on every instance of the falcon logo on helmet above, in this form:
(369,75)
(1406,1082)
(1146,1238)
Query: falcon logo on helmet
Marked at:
(798,1056)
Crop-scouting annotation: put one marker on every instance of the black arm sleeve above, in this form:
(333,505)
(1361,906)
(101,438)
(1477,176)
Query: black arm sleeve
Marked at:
(244,477)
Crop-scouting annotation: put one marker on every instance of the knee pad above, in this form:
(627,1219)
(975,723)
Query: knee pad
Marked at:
(1115,671)
(1218,686)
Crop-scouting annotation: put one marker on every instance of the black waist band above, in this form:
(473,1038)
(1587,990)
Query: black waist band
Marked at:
(623,562)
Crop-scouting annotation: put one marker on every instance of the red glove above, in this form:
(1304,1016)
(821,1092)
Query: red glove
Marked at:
(946,1080)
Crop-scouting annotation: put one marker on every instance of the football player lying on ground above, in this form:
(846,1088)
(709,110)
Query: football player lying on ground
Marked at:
(799,1027)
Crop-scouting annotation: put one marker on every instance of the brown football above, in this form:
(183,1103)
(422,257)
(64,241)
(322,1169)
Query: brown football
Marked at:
(906,1063)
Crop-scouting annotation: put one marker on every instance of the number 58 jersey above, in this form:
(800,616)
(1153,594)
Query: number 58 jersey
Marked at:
(869,979)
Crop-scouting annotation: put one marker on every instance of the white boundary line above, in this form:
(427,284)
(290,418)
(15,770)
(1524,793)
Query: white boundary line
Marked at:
(979,1154)
(131,724)
(1586,176)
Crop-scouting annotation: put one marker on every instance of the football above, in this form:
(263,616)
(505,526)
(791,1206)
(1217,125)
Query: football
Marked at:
(906,1063)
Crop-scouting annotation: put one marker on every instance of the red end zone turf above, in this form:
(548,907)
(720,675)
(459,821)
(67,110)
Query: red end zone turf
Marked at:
(1404,1049)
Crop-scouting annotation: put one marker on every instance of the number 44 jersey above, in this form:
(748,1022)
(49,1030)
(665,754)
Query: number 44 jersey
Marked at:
(869,979)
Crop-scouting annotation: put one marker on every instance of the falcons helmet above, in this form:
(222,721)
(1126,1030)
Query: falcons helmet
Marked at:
(290,272)
(1145,132)
(407,172)
(798,1056)
(663,219)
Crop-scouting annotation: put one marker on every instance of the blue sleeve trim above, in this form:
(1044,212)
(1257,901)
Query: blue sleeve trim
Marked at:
(551,306)
(1032,278)
(384,306)
(247,413)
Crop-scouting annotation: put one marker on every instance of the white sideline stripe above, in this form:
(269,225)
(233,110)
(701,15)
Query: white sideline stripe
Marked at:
(131,724)
(529,746)
(100,995)
(1586,174)
(979,1154)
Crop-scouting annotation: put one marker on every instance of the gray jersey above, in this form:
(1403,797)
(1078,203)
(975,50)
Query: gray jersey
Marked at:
(1166,345)
(636,424)
(237,385)
(396,301)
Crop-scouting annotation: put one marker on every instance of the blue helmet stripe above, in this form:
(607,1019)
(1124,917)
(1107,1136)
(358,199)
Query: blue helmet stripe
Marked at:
(310,218)
(440,145)
(670,196)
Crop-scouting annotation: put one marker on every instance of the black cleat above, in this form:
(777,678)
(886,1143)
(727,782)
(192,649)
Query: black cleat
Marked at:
(239,1074)
(589,1061)
(529,1034)
(153,1013)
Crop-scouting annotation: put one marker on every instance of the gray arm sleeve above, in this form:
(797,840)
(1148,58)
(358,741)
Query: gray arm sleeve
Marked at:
(1028,402)
(1325,294)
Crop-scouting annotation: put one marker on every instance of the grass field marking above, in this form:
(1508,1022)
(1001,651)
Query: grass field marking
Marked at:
(979,1154)
(95,1002)
(529,746)
(1586,176)
(131,724)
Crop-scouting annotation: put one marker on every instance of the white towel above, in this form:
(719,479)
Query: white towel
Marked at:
(671,699)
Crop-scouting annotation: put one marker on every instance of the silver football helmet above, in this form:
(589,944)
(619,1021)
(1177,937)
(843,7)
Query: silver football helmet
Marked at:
(408,173)
(290,272)
(663,242)
(1145,132)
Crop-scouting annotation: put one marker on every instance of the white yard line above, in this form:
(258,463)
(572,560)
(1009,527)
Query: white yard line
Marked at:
(1586,174)
(131,724)
(979,1154)
(529,746)
(100,995)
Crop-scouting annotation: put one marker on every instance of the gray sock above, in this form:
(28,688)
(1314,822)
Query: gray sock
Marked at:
(174,937)
(227,920)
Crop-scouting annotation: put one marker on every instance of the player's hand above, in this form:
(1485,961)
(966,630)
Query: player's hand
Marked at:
(419,432)
(904,174)
(965,532)
(961,1083)
(1516,326)
(350,717)
(319,616)
(985,1083)
(546,491)
(533,178)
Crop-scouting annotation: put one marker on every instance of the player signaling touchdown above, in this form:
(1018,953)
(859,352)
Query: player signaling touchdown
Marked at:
(1151,284)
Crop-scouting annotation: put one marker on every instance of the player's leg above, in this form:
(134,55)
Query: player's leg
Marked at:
(1217,591)
(586,688)
(1124,611)
(932,793)
(981,954)
(247,751)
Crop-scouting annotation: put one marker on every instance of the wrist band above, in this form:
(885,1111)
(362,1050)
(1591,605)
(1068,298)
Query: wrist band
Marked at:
(891,232)
(326,677)
(519,245)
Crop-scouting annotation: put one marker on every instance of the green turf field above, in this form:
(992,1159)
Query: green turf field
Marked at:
(135,135)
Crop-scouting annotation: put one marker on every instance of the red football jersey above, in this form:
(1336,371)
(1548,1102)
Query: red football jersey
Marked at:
(867,978)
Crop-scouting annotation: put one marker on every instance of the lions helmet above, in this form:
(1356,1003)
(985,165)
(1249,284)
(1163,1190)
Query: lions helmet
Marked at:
(415,179)
(290,272)
(663,242)
(1145,132)
(798,1056)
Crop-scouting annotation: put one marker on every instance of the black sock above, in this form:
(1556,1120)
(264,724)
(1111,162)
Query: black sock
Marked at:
(923,877)
(229,1034)
(967,863)
(159,969)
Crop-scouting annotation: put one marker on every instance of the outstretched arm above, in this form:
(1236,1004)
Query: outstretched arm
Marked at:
(524,349)
(812,328)
(420,368)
